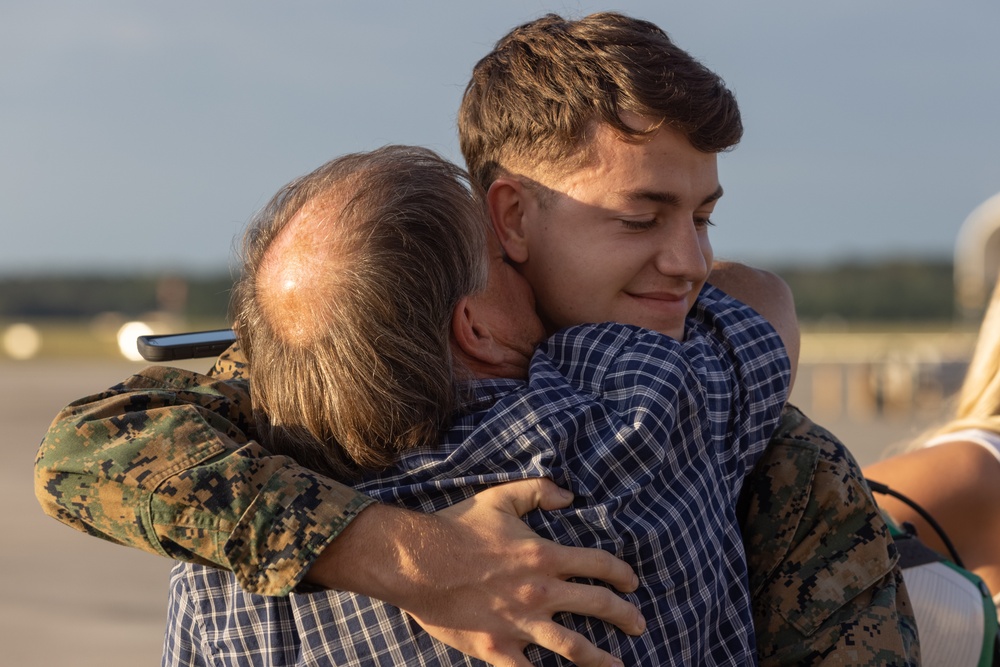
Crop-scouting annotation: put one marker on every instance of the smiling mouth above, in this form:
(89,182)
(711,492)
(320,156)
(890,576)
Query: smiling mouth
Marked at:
(659,311)
(664,297)
(661,308)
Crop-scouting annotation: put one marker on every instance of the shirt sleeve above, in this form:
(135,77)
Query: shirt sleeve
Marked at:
(164,462)
(757,367)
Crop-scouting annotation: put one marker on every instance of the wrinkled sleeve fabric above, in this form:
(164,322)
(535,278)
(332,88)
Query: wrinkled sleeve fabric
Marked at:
(165,462)
(824,575)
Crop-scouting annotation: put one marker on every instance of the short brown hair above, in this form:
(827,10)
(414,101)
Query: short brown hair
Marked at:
(533,100)
(357,365)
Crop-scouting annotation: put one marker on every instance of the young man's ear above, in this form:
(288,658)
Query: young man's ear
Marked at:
(507,200)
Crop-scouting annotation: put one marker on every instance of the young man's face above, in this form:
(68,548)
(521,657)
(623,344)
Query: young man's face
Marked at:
(625,238)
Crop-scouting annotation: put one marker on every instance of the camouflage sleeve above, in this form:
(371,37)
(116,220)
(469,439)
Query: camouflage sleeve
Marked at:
(826,586)
(164,462)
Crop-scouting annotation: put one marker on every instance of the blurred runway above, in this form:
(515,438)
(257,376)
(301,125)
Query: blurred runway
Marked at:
(70,599)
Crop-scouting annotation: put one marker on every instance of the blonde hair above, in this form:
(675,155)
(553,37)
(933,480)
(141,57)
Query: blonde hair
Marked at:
(979,398)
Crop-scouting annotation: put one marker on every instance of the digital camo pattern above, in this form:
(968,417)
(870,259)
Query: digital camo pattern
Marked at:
(143,465)
(824,578)
(165,462)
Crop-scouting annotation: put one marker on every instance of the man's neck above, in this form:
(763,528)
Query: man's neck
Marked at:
(513,367)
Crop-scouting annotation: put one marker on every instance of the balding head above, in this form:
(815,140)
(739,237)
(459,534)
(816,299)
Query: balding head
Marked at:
(350,279)
(301,271)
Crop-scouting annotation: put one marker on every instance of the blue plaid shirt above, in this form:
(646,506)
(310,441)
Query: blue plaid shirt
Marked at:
(653,436)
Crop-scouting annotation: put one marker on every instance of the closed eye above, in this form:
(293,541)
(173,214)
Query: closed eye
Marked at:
(704,222)
(637,225)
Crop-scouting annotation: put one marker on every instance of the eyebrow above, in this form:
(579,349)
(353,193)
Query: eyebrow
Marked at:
(668,198)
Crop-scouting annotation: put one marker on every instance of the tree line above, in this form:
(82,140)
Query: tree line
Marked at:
(903,290)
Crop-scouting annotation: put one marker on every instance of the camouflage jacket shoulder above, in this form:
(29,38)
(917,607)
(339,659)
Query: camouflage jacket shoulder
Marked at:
(824,574)
(166,462)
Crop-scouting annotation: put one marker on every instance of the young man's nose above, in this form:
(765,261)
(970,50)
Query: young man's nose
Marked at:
(681,253)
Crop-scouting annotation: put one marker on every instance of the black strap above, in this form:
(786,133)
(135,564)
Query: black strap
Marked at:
(913,552)
(878,487)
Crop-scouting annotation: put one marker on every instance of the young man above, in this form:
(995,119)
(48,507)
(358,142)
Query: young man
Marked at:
(822,571)
(389,337)
(596,140)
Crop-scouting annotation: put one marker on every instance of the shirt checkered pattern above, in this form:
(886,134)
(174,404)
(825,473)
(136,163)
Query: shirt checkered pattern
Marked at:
(653,436)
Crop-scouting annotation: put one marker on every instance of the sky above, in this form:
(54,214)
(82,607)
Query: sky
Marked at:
(143,135)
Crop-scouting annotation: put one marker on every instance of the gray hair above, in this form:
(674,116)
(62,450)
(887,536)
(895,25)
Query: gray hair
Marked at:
(355,365)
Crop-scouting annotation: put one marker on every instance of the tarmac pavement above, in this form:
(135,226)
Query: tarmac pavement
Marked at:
(67,598)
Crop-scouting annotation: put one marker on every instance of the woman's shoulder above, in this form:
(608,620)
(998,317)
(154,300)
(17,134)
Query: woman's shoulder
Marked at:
(982,437)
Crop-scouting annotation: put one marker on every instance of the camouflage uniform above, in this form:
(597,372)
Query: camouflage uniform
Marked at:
(824,575)
(167,462)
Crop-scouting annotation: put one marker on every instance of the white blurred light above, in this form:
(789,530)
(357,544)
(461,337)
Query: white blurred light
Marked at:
(22,341)
(126,339)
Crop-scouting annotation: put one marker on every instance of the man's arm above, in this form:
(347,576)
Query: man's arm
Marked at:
(824,578)
(497,584)
(163,462)
(766,293)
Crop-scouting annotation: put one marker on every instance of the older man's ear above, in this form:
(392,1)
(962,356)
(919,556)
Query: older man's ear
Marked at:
(481,348)
(472,339)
